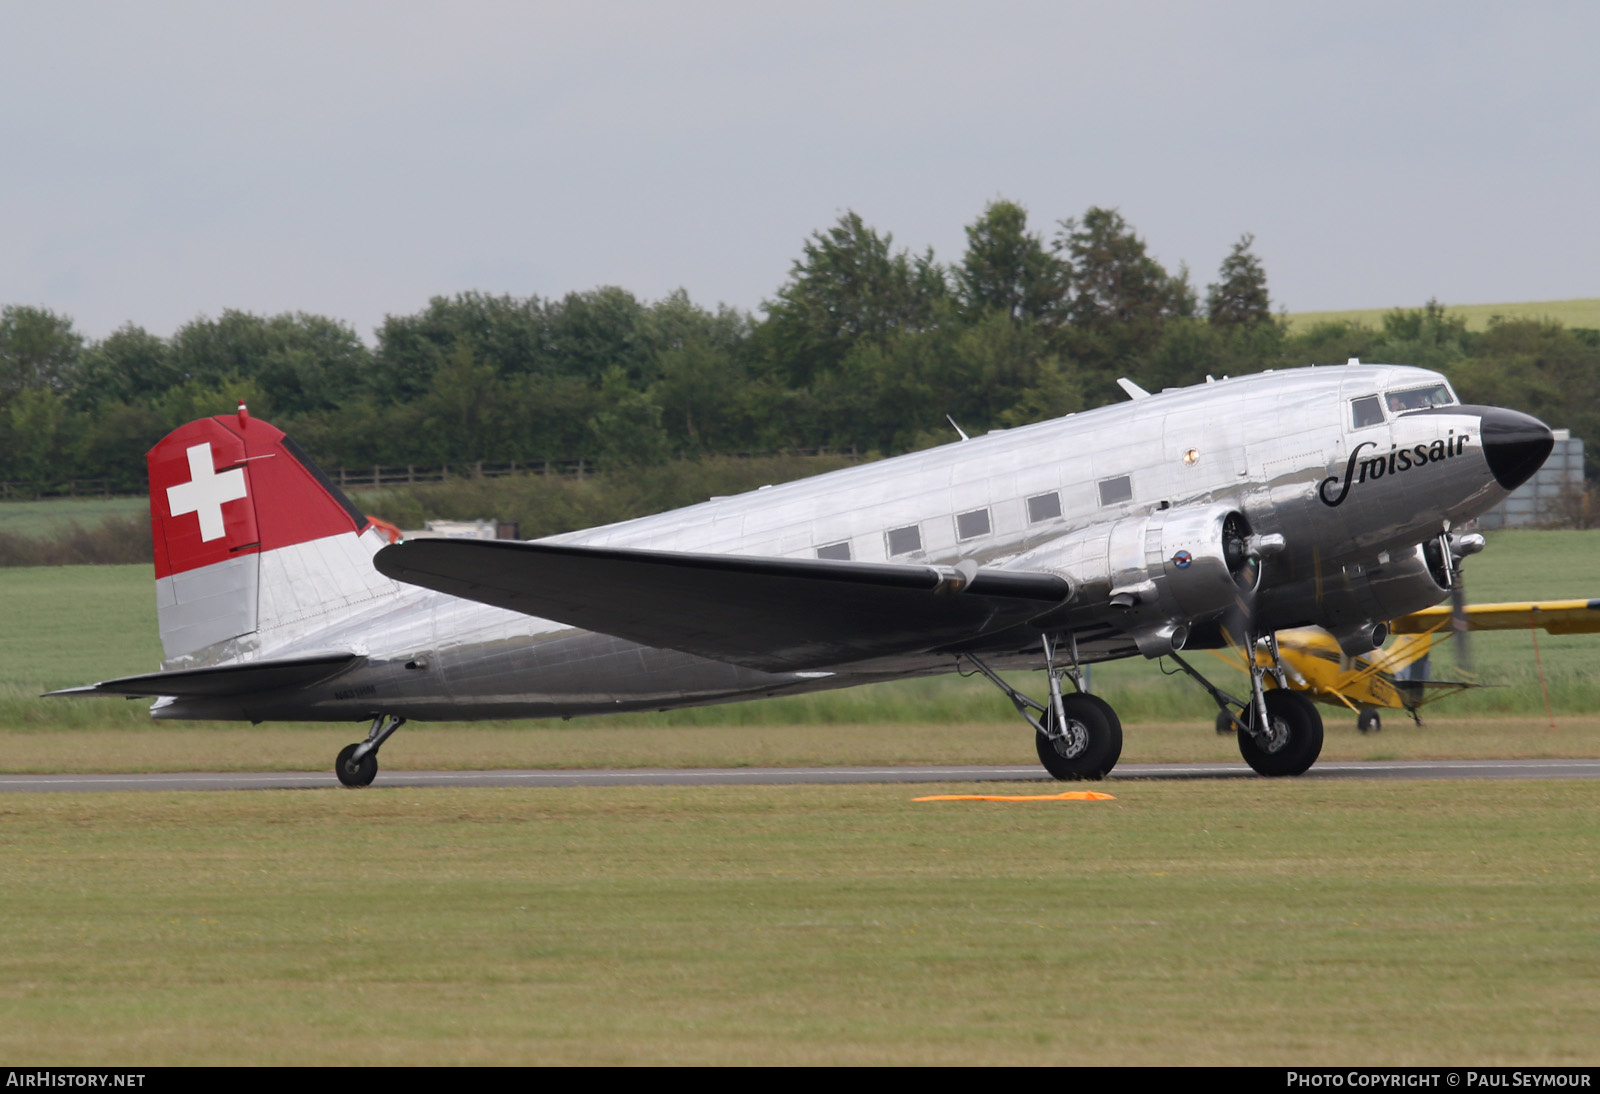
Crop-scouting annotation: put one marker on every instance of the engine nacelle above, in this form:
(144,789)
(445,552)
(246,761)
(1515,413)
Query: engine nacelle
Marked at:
(1166,570)
(1353,604)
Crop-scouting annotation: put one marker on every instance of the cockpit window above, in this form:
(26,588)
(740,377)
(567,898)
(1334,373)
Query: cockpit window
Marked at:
(1365,411)
(1420,398)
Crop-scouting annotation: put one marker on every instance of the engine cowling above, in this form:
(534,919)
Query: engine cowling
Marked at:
(1164,571)
(1355,603)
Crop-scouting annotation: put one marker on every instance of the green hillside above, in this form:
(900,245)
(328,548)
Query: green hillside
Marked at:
(1581,312)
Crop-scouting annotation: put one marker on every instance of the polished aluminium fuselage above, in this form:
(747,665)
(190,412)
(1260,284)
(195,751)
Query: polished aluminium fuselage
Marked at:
(1264,444)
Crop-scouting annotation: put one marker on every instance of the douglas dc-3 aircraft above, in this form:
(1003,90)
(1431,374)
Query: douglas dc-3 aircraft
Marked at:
(1201,516)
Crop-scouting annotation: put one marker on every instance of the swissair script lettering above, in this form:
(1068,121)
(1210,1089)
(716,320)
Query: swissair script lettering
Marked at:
(1359,470)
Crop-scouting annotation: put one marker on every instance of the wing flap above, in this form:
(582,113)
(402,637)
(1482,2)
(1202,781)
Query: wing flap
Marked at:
(268,674)
(774,614)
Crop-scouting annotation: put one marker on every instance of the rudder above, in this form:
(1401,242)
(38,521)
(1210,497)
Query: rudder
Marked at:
(254,545)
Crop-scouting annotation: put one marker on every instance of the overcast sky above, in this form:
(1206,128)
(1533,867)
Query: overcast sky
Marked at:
(161,160)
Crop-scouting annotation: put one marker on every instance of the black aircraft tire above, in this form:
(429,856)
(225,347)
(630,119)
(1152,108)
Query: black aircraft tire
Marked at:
(355,772)
(1225,724)
(1094,744)
(1297,717)
(1369,720)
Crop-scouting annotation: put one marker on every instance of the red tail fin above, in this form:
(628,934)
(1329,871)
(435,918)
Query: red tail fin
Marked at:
(254,546)
(231,485)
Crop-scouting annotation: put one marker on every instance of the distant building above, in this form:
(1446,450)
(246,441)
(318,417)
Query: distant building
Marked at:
(465,529)
(1547,497)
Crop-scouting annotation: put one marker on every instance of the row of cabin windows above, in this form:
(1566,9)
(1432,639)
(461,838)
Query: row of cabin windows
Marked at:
(970,525)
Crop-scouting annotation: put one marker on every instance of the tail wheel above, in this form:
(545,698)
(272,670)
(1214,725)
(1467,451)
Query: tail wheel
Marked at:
(1369,721)
(1090,742)
(1293,739)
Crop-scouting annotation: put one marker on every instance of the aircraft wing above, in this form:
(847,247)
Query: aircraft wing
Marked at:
(774,614)
(1554,616)
(240,679)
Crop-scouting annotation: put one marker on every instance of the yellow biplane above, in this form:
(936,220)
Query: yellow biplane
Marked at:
(1395,677)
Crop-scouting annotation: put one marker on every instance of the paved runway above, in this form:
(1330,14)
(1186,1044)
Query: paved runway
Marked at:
(748,776)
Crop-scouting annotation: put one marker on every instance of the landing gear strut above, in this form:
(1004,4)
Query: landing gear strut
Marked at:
(1077,735)
(1280,731)
(357,764)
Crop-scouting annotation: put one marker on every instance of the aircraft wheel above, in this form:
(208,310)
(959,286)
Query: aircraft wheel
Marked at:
(1091,744)
(353,772)
(1369,721)
(1225,724)
(1295,740)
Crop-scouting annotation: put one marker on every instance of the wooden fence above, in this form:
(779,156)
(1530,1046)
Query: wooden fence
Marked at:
(379,476)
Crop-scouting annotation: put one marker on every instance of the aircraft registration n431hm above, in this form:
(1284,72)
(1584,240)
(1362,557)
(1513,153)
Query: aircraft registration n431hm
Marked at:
(1198,517)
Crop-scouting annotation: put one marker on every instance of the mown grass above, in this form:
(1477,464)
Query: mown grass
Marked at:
(1583,312)
(51,516)
(1208,923)
(557,745)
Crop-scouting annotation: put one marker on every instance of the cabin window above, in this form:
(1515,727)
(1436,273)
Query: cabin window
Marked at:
(839,552)
(1044,507)
(1365,411)
(973,524)
(1116,491)
(902,541)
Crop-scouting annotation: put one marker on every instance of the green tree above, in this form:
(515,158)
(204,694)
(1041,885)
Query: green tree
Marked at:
(113,440)
(39,437)
(701,392)
(1057,390)
(849,286)
(509,334)
(627,426)
(39,351)
(458,416)
(1008,269)
(590,333)
(1114,279)
(129,365)
(301,362)
(1239,296)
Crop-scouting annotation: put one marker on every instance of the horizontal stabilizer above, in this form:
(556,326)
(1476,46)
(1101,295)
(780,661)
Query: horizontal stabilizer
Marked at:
(222,680)
(774,614)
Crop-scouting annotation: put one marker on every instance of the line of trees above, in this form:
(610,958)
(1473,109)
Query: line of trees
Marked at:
(864,344)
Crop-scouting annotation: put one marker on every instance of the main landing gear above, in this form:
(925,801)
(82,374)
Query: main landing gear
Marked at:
(1280,731)
(1077,735)
(357,764)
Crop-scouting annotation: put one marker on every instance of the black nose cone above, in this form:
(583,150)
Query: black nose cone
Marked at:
(1514,444)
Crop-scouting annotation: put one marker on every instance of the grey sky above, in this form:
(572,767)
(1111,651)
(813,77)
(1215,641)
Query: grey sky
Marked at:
(163,160)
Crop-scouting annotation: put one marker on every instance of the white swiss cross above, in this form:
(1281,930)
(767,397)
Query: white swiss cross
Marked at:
(205,492)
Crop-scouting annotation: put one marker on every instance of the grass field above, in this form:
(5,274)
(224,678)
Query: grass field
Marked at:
(40,519)
(1237,923)
(1571,313)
